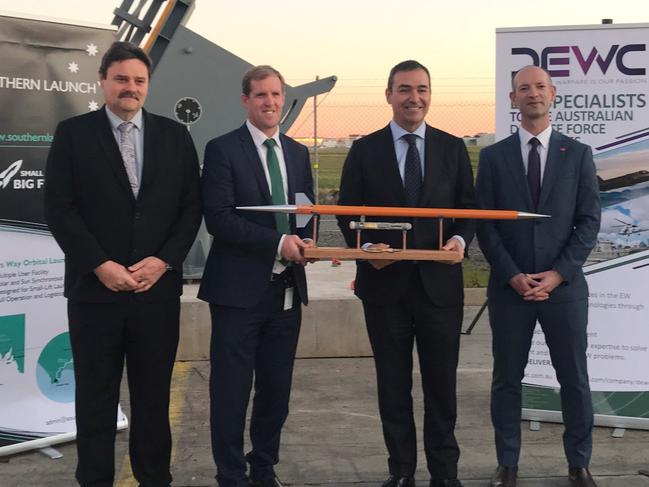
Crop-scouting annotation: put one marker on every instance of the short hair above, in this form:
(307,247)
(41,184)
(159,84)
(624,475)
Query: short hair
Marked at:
(409,65)
(122,51)
(258,73)
(515,73)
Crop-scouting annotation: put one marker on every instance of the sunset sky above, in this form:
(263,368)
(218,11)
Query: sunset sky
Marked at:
(360,40)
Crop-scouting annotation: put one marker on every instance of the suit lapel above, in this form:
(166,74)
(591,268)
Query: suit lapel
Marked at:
(252,156)
(387,165)
(433,156)
(290,158)
(110,148)
(514,159)
(555,161)
(151,147)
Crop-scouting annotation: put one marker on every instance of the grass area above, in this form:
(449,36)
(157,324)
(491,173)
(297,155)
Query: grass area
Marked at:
(475,275)
(329,169)
(474,153)
(330,165)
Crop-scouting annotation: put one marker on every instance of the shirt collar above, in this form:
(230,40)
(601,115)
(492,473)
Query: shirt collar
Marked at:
(544,137)
(398,131)
(115,121)
(258,137)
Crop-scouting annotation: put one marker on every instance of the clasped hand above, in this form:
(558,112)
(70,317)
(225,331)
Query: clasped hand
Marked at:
(139,277)
(536,287)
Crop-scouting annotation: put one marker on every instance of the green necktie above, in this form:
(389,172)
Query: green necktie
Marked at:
(276,185)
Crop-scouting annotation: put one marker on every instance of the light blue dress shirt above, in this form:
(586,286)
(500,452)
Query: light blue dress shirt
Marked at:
(401,149)
(401,146)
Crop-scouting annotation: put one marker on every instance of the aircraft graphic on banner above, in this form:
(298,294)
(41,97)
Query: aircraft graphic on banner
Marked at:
(628,228)
(10,172)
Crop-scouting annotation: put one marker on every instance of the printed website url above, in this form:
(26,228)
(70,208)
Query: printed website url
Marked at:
(26,137)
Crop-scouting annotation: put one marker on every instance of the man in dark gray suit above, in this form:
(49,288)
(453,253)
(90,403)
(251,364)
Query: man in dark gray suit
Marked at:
(122,201)
(536,269)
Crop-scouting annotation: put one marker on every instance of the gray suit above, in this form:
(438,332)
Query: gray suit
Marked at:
(569,194)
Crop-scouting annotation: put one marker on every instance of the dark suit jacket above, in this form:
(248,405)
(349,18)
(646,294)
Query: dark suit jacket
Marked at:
(371,177)
(569,193)
(240,262)
(94,216)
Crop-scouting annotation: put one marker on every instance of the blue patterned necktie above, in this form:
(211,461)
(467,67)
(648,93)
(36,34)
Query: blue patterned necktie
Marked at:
(412,171)
(127,149)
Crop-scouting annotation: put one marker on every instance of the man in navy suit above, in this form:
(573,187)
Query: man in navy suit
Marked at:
(411,164)
(254,280)
(536,269)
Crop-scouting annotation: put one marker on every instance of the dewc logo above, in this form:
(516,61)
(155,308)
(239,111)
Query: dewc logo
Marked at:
(556,59)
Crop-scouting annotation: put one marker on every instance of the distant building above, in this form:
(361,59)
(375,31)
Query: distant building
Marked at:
(308,141)
(604,250)
(336,143)
(330,143)
(479,140)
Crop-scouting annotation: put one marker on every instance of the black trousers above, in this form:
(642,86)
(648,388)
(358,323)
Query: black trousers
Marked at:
(564,326)
(103,336)
(260,342)
(393,327)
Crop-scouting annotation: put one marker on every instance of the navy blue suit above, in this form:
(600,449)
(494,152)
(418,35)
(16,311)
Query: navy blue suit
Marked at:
(570,194)
(409,302)
(251,331)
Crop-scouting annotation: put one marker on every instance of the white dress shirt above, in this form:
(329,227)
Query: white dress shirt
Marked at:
(544,139)
(401,146)
(258,138)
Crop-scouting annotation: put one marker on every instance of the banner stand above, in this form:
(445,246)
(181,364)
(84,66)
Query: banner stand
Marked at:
(48,441)
(49,73)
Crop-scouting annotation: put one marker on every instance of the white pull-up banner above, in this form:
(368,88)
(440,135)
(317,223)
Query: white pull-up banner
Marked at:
(48,73)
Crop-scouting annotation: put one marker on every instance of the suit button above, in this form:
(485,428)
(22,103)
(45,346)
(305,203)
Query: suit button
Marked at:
(138,215)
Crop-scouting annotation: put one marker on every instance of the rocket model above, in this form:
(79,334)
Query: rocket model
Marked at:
(305,209)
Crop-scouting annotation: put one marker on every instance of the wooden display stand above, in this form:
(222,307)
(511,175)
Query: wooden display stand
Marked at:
(446,256)
(358,253)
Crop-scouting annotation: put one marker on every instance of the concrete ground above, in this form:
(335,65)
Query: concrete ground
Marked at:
(333,434)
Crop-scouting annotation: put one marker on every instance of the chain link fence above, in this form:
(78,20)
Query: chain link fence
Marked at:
(329,124)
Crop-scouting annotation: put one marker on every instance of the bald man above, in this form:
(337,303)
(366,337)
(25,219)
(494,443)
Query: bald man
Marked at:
(536,270)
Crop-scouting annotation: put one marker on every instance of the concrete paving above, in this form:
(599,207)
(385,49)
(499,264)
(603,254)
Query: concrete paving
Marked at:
(333,434)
